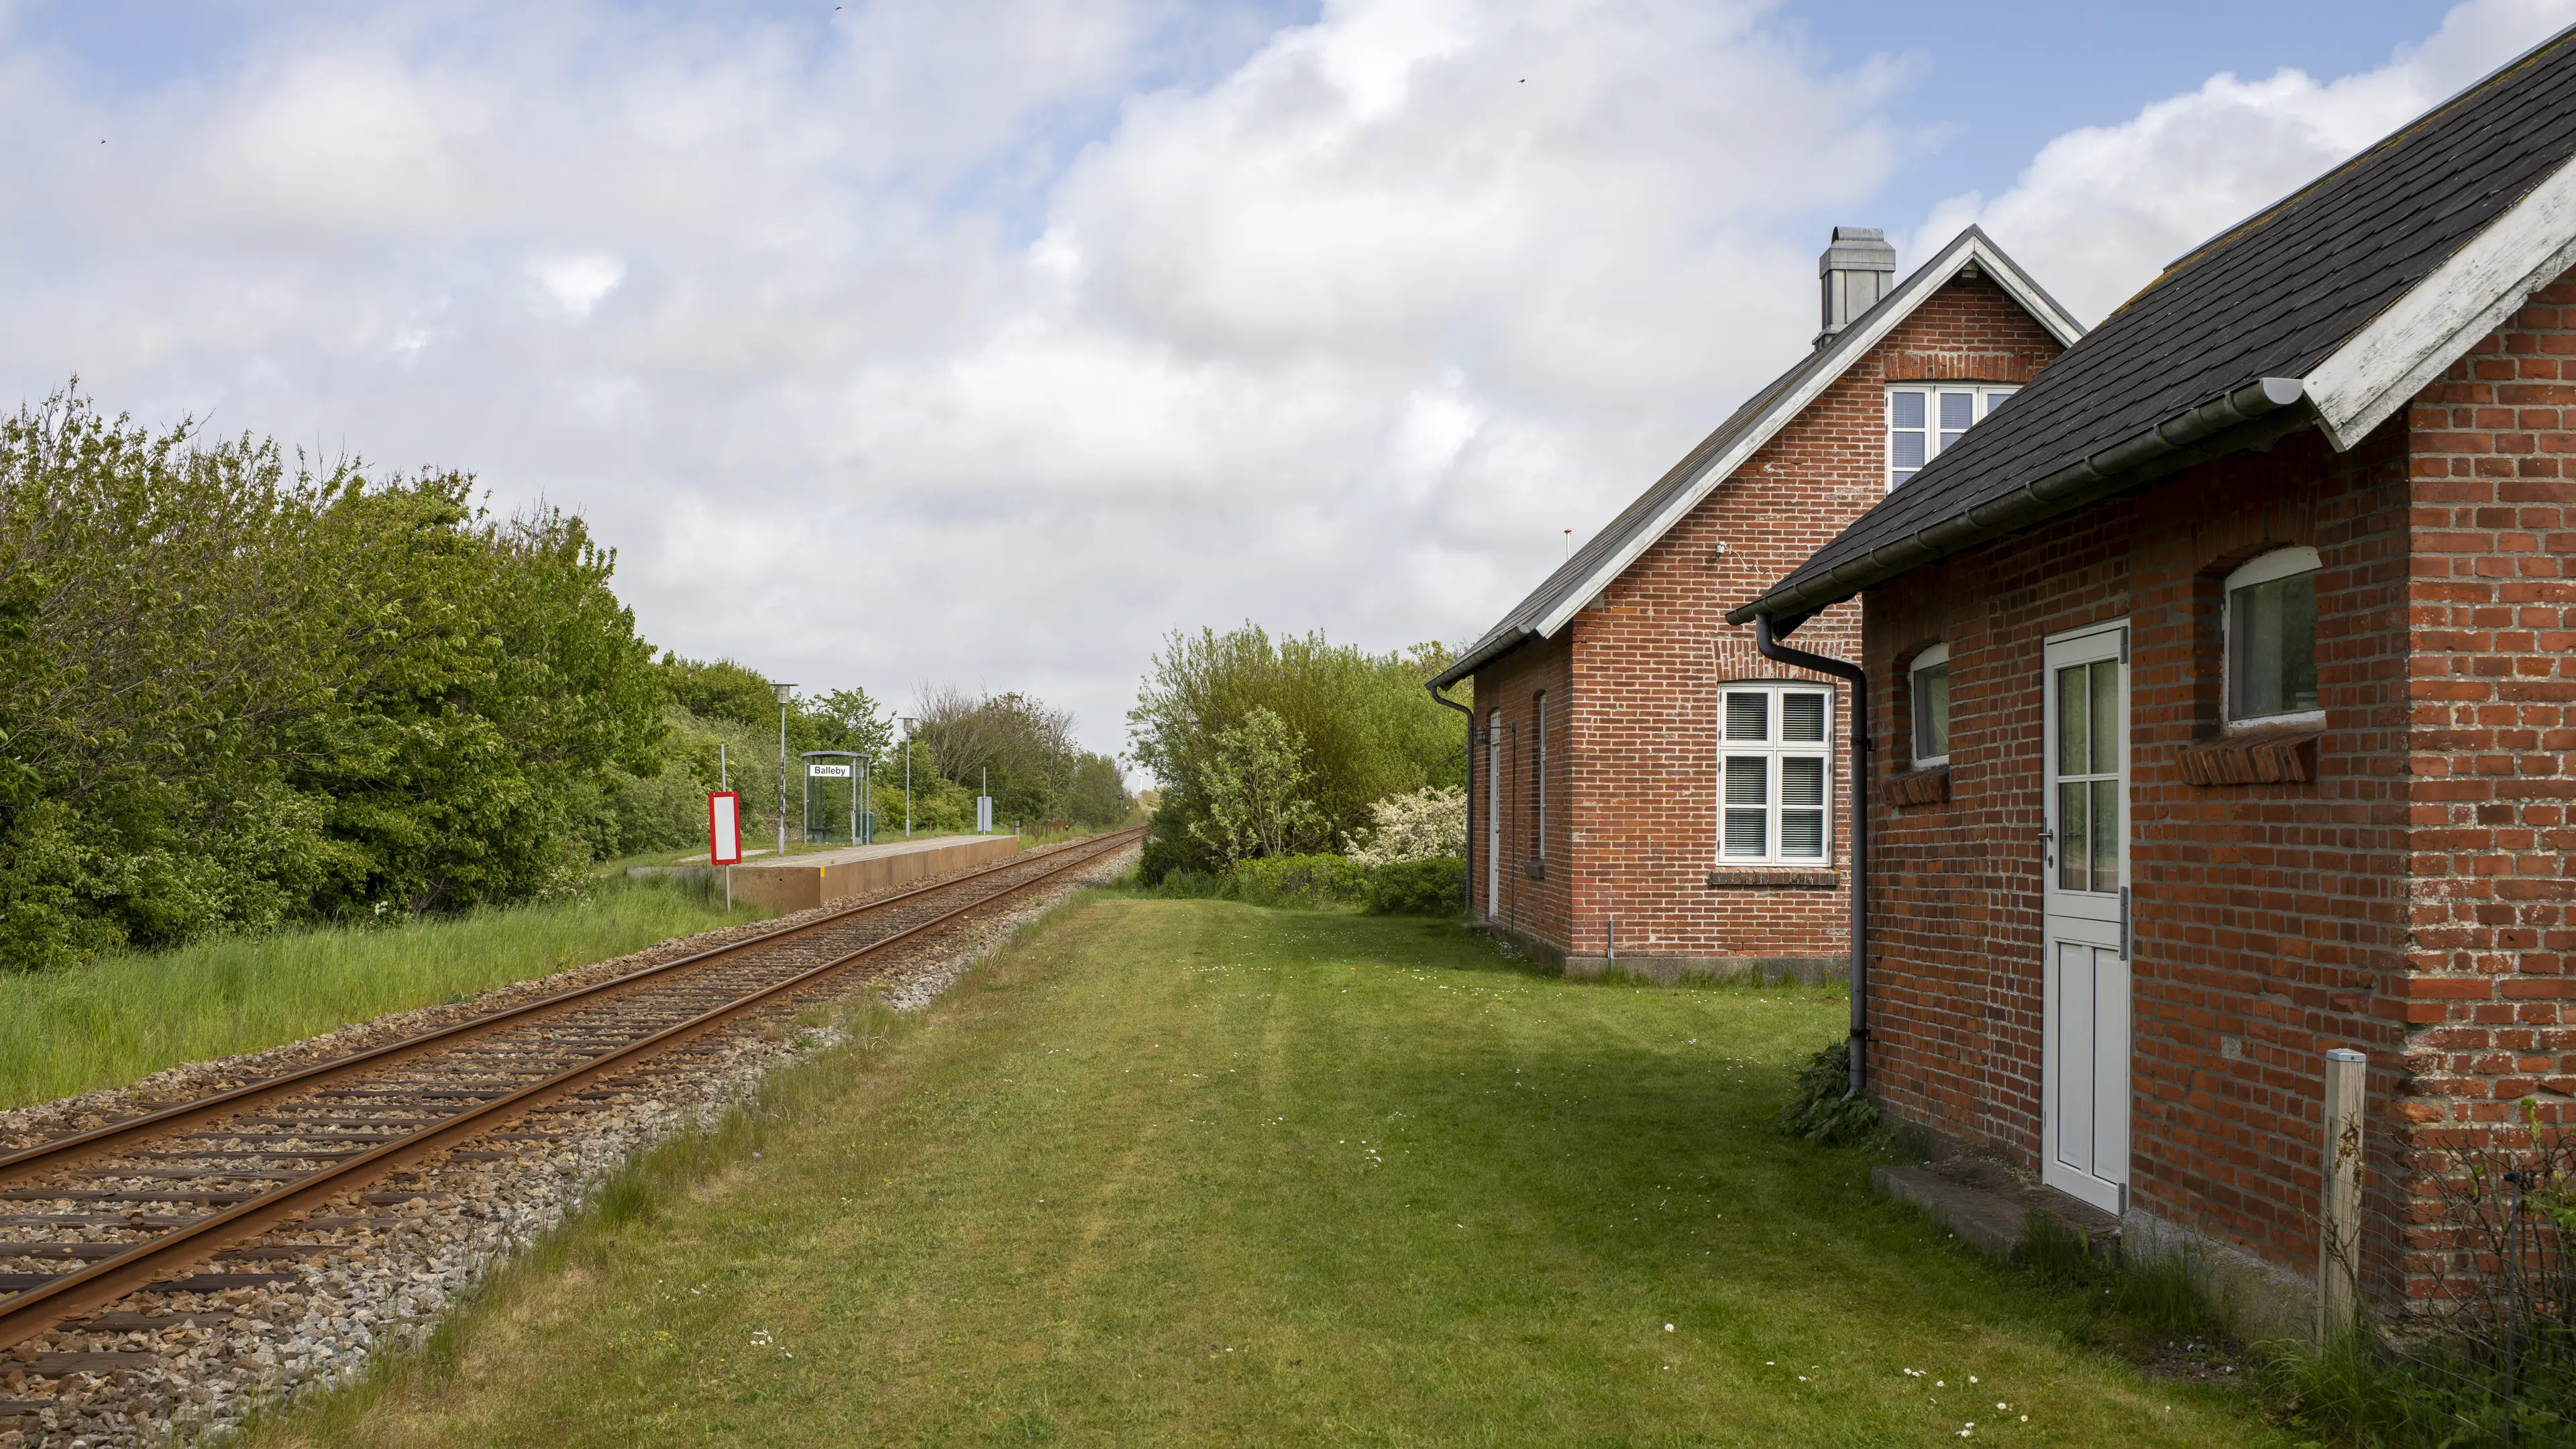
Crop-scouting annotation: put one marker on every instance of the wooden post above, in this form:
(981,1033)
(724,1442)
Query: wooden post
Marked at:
(2339,1222)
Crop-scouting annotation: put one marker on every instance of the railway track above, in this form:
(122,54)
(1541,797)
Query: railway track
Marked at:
(187,1199)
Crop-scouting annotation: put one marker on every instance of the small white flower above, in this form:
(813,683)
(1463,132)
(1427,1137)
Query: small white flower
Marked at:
(1668,1328)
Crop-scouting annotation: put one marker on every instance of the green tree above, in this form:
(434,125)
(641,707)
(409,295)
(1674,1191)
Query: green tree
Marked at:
(236,690)
(1365,728)
(1256,790)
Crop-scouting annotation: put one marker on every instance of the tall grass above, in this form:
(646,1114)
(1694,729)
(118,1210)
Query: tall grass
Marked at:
(110,1022)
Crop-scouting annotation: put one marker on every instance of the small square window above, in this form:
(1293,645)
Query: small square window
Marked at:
(2272,636)
(1930,680)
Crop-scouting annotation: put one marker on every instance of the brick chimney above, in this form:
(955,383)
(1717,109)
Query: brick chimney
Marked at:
(1857,270)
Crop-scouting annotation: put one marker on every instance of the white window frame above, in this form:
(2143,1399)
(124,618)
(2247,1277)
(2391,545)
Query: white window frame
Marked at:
(1774,749)
(1933,657)
(1538,775)
(1983,398)
(2280,563)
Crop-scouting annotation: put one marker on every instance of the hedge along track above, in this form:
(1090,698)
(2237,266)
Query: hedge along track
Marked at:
(194,1179)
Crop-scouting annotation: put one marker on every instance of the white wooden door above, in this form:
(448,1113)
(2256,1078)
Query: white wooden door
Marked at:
(2085,1066)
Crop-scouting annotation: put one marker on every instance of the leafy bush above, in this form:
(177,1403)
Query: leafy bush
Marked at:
(1427,824)
(1297,880)
(1361,725)
(1417,888)
(236,691)
(1256,792)
(1822,1108)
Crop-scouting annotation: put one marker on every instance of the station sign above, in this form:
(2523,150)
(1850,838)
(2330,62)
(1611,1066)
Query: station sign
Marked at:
(724,830)
(828,772)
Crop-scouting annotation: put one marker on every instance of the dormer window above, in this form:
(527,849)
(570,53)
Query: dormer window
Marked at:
(1925,419)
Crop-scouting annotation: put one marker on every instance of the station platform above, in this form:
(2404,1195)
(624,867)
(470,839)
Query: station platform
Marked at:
(802,882)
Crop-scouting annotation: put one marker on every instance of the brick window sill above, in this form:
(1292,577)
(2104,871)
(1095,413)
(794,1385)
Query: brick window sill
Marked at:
(2257,757)
(1930,786)
(1773,878)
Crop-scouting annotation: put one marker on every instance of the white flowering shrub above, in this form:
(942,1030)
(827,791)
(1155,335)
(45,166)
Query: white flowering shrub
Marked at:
(1429,824)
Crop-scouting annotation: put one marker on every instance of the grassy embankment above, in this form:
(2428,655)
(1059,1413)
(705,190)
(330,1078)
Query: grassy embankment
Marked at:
(110,1022)
(1196,1172)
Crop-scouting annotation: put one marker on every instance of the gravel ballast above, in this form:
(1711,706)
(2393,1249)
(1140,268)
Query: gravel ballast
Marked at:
(373,1270)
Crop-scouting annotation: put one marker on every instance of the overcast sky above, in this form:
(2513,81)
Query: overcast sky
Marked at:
(989,341)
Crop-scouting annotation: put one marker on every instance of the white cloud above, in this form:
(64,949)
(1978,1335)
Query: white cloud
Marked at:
(2100,211)
(580,283)
(990,341)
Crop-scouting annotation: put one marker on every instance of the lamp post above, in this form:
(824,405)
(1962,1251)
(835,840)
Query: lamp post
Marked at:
(786,692)
(907,775)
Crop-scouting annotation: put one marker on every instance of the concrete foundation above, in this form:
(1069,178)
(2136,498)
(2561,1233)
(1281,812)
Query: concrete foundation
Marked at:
(1987,1203)
(1667,970)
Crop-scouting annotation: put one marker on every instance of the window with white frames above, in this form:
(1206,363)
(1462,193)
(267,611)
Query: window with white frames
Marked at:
(1929,677)
(1538,776)
(2271,628)
(1775,770)
(1924,418)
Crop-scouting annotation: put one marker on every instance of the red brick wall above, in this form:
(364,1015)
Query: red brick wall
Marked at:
(2410,899)
(1647,658)
(1530,906)
(2263,914)
(2491,719)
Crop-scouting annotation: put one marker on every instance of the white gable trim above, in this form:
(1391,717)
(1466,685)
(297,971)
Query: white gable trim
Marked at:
(1872,328)
(2380,369)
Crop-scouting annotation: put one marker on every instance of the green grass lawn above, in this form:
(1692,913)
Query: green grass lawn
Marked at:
(1197,1172)
(110,1022)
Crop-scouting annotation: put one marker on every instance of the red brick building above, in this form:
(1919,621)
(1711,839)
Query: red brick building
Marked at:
(2223,690)
(1645,782)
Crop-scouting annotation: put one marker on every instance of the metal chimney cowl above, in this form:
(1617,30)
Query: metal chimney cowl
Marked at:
(1856,270)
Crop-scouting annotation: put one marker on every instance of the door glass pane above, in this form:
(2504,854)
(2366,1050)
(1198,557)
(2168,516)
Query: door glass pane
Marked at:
(2106,835)
(2073,838)
(2074,712)
(1802,782)
(2106,718)
(1802,834)
(1746,780)
(1745,832)
(1802,718)
(1748,717)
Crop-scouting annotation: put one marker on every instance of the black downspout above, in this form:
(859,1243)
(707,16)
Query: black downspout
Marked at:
(1440,698)
(1772,648)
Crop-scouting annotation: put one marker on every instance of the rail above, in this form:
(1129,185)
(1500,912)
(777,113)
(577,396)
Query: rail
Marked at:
(676,1002)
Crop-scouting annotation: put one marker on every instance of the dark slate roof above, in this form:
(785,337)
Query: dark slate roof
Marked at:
(1577,574)
(2270,297)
